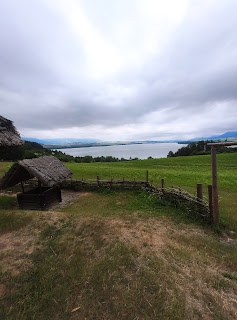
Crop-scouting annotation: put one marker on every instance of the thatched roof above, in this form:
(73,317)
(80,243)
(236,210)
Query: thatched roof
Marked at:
(8,134)
(48,170)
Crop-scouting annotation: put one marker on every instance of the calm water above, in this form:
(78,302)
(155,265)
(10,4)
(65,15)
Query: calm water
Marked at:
(141,151)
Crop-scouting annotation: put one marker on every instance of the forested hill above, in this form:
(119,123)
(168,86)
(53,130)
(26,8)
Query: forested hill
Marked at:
(199,148)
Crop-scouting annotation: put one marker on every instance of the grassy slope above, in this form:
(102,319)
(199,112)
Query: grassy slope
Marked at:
(117,255)
(114,256)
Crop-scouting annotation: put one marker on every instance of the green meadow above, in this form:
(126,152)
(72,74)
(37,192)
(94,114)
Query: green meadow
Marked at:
(180,171)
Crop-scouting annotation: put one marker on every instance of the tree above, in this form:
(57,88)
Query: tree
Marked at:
(170,154)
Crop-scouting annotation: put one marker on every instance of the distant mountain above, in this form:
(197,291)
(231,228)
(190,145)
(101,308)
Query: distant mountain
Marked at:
(232,134)
(60,141)
(227,135)
(79,143)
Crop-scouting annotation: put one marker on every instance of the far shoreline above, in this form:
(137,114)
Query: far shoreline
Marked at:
(90,145)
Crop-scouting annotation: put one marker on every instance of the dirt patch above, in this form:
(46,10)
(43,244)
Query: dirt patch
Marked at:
(2,290)
(146,235)
(229,239)
(68,198)
(15,246)
(22,242)
(8,193)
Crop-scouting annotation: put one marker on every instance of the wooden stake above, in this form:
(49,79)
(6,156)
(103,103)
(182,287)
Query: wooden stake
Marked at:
(39,186)
(210,201)
(214,186)
(199,191)
(22,186)
(162,184)
(147,176)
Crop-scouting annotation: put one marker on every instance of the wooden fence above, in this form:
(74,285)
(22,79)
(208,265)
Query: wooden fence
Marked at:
(195,205)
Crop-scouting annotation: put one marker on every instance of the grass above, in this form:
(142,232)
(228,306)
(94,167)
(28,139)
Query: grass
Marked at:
(11,220)
(184,171)
(127,205)
(88,265)
(119,203)
(7,202)
(121,255)
(179,171)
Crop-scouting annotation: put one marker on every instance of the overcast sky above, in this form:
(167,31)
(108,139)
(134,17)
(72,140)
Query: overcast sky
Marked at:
(119,69)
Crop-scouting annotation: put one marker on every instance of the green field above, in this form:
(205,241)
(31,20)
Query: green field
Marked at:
(180,171)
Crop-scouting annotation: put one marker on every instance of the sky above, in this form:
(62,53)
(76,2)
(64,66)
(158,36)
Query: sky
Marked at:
(119,69)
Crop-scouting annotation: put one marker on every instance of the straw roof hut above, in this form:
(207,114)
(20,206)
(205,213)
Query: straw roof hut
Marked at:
(9,137)
(48,170)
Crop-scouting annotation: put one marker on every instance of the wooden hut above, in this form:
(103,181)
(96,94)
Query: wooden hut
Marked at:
(9,136)
(48,170)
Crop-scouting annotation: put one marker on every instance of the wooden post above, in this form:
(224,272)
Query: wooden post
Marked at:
(147,176)
(39,186)
(214,186)
(162,184)
(210,202)
(199,191)
(22,186)
(98,181)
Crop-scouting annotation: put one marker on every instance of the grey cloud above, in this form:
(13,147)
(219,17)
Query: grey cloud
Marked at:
(194,71)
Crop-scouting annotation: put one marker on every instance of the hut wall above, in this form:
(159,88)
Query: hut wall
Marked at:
(39,199)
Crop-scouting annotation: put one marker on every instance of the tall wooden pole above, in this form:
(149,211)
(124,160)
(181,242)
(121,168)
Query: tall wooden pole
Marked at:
(199,191)
(147,179)
(210,199)
(163,184)
(214,186)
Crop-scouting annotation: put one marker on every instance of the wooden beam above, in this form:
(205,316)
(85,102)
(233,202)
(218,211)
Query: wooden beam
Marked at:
(214,186)
(222,144)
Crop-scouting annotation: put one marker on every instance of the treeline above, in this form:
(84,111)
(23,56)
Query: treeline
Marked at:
(34,150)
(199,148)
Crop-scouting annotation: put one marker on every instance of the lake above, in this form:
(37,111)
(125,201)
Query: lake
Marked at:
(141,151)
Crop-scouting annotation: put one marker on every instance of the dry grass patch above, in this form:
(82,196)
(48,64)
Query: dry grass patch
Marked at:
(115,258)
